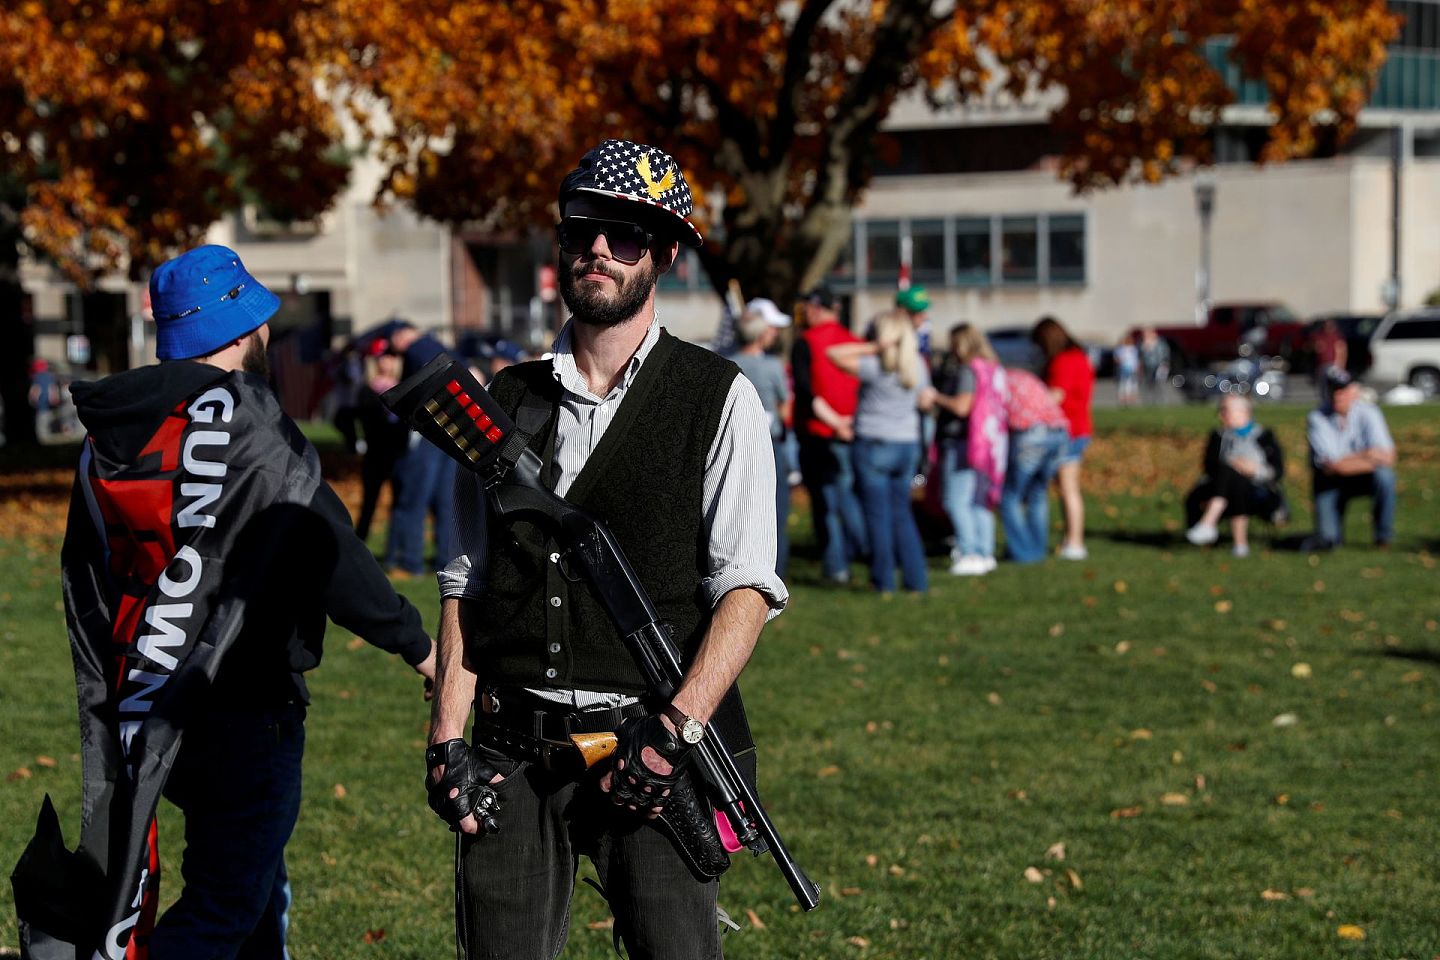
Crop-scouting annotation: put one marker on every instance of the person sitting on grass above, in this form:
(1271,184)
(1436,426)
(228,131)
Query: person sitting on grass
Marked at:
(1353,456)
(1243,472)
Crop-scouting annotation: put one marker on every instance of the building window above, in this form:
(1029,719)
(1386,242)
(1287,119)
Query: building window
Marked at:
(972,252)
(1019,249)
(882,252)
(927,251)
(964,251)
(1067,249)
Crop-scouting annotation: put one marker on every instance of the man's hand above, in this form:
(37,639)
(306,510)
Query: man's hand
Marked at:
(647,764)
(458,787)
(1244,467)
(426,669)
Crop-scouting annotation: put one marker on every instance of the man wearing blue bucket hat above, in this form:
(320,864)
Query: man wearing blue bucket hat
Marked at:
(202,556)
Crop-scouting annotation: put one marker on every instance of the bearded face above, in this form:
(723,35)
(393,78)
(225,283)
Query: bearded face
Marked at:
(256,359)
(598,302)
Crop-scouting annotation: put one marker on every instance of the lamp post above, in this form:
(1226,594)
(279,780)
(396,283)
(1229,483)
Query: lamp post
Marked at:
(1205,205)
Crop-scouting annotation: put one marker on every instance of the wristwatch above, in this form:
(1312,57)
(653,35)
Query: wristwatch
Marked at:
(691,731)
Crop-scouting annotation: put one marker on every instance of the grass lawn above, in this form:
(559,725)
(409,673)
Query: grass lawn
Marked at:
(1161,752)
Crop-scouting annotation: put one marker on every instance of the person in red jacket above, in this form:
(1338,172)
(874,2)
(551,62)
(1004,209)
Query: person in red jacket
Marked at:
(825,400)
(1071,381)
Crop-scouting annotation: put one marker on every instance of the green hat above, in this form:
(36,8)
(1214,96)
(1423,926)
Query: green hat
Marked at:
(914,299)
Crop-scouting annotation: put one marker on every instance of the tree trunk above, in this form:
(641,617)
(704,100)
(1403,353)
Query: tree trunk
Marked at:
(17,344)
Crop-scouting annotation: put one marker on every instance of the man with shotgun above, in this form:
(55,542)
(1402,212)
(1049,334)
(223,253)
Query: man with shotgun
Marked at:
(668,446)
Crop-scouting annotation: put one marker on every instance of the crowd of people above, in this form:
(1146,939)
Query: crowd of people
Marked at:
(874,417)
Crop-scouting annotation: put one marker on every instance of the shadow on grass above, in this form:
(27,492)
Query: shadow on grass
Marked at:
(1413,654)
(1160,539)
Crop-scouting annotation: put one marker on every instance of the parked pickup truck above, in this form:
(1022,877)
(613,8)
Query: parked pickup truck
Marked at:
(1263,329)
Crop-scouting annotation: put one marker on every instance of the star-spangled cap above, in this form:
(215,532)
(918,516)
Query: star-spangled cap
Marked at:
(643,174)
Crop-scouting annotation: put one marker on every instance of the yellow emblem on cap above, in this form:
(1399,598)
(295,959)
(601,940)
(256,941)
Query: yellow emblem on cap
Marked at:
(652,186)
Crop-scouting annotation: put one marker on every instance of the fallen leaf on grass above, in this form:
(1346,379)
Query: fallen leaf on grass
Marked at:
(1032,875)
(860,942)
(1209,685)
(1285,720)
(1174,800)
(1121,586)
(1348,931)
(340,791)
(1056,629)
(328,860)
(871,726)
(1304,892)
(1273,624)
(1414,676)
(607,924)
(898,924)
(23,773)
(1125,813)
(993,699)
(1319,586)
(1074,879)
(1301,671)
(1394,814)
(1223,606)
(851,891)
(896,870)
(1123,647)
(871,860)
(1281,799)
(355,643)
(1274,895)
(829,771)
(1056,851)
(1141,734)
(44,761)
(374,936)
(755,920)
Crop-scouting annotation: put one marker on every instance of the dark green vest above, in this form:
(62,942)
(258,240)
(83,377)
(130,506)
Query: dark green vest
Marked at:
(644,481)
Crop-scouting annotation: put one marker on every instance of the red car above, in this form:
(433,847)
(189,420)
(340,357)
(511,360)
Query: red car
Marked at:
(1234,330)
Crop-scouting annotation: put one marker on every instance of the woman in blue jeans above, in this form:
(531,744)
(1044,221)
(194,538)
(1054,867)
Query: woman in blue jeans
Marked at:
(894,385)
(1038,438)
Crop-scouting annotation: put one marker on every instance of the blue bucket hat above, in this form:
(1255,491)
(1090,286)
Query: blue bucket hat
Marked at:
(204,299)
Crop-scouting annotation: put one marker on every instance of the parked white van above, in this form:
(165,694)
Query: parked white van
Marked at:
(1405,348)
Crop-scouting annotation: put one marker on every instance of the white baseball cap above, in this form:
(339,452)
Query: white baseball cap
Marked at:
(766,308)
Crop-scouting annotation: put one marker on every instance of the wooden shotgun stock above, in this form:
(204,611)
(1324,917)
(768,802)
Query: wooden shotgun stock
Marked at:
(594,747)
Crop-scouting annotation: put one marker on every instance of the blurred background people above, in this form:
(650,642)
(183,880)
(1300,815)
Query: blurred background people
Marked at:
(1071,382)
(424,475)
(1039,434)
(759,328)
(1127,372)
(1331,353)
(1154,363)
(825,399)
(973,439)
(1352,455)
(386,438)
(894,385)
(44,398)
(1244,470)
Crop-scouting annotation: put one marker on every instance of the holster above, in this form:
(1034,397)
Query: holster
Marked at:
(690,823)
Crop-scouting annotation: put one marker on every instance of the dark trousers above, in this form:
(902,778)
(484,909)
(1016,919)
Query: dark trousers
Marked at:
(1333,494)
(829,473)
(237,780)
(516,885)
(1243,496)
(376,470)
(424,484)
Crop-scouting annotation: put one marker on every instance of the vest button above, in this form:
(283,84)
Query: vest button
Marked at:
(551,673)
(554,558)
(554,648)
(554,601)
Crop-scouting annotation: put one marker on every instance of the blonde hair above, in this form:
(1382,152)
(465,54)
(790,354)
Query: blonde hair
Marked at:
(899,349)
(968,342)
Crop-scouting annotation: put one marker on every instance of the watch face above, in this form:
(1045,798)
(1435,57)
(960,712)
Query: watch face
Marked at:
(692,732)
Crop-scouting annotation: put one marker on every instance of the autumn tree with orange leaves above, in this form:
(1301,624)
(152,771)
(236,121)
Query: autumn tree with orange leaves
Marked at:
(777,106)
(126,129)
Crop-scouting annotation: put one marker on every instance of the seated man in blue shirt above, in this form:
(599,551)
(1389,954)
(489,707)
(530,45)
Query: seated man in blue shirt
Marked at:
(1353,456)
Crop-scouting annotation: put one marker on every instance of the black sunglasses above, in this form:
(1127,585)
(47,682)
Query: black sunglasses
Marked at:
(627,241)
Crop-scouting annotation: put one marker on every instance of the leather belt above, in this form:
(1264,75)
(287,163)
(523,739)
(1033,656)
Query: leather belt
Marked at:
(540,719)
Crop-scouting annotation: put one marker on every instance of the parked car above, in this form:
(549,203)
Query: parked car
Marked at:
(1405,348)
(1356,328)
(1262,379)
(1233,330)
